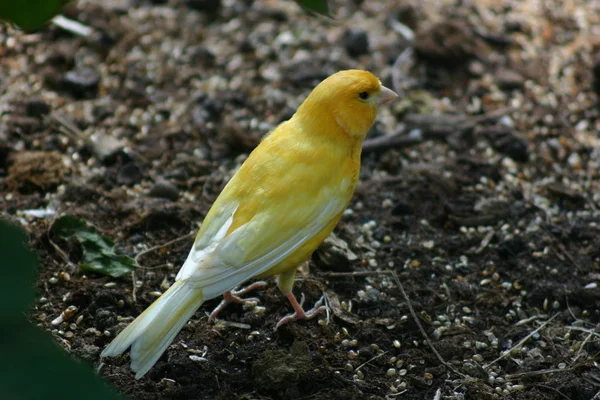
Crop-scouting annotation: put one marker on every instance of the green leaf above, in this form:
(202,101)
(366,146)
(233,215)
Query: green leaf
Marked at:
(98,251)
(33,365)
(17,272)
(30,15)
(317,6)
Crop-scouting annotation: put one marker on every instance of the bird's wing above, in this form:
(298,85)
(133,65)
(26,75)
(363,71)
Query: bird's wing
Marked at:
(266,238)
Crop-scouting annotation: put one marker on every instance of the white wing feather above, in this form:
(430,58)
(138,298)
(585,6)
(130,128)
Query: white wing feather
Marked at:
(216,268)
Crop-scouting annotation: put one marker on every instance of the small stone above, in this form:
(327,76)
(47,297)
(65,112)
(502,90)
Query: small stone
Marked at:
(37,108)
(401,209)
(391,372)
(89,352)
(129,174)
(509,80)
(198,359)
(105,318)
(356,42)
(205,6)
(82,82)
(164,190)
(105,146)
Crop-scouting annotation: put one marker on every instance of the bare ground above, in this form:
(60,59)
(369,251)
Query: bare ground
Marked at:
(487,211)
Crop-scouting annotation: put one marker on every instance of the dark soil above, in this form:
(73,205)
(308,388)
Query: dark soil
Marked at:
(486,208)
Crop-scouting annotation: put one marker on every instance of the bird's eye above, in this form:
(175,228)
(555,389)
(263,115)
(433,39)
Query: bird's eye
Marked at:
(363,95)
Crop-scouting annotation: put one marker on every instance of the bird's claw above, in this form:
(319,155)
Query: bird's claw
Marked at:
(301,314)
(234,297)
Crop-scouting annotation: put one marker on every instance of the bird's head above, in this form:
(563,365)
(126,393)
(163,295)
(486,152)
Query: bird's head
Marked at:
(348,99)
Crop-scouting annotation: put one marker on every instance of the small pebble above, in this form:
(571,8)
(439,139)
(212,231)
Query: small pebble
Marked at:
(356,42)
(164,190)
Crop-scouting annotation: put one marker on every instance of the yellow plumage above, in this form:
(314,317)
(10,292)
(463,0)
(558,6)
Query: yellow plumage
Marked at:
(277,209)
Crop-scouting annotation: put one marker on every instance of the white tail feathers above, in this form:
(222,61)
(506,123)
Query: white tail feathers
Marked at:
(153,331)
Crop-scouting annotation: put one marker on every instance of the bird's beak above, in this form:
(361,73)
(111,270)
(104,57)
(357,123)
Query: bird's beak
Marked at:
(386,95)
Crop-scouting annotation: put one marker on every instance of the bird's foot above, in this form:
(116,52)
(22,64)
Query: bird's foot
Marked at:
(233,296)
(299,312)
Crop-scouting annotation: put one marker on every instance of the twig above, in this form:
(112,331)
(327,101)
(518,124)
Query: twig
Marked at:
(68,128)
(70,25)
(424,127)
(160,246)
(60,251)
(554,390)
(521,342)
(230,324)
(527,320)
(585,341)
(374,358)
(580,329)
(400,70)
(134,287)
(355,273)
(529,374)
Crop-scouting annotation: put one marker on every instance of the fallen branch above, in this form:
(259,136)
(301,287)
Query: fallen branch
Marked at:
(425,127)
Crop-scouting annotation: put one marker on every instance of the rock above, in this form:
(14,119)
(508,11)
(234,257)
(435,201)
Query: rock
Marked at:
(205,6)
(511,248)
(356,42)
(508,79)
(279,371)
(89,352)
(506,142)
(105,146)
(335,254)
(567,197)
(164,190)
(366,352)
(449,42)
(129,174)
(402,208)
(36,108)
(35,171)
(81,82)
(105,318)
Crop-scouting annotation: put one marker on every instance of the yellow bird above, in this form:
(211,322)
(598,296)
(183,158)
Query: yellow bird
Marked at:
(276,210)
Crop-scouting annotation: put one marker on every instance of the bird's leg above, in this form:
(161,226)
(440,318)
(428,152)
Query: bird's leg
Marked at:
(233,296)
(299,312)
(285,281)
